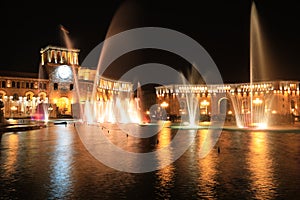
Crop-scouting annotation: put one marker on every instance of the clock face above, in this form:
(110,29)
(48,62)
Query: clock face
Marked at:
(64,71)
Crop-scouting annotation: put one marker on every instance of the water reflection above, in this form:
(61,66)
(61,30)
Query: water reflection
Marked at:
(10,159)
(53,163)
(207,167)
(165,176)
(261,166)
(61,165)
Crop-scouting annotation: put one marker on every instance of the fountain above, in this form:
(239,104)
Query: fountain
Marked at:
(253,106)
(191,117)
(259,104)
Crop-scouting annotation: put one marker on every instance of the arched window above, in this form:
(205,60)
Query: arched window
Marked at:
(29,95)
(223,106)
(15,97)
(71,87)
(42,96)
(55,87)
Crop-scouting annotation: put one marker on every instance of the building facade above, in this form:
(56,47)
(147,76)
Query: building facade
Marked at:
(277,101)
(60,84)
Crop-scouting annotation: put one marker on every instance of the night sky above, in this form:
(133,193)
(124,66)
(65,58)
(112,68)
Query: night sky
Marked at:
(221,27)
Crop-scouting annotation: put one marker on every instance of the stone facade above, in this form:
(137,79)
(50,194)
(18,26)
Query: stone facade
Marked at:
(278,101)
(55,88)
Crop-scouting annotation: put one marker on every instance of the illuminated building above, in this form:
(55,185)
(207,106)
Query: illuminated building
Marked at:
(54,85)
(279,100)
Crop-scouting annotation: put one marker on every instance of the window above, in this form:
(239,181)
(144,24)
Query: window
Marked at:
(15,97)
(28,97)
(13,84)
(55,86)
(71,86)
(3,84)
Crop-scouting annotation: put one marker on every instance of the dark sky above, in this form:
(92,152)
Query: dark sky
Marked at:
(221,27)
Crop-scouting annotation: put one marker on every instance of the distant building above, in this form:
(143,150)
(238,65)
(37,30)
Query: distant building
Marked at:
(277,101)
(54,86)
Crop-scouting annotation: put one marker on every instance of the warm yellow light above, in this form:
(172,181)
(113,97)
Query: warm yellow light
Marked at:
(204,103)
(13,108)
(274,112)
(257,101)
(164,104)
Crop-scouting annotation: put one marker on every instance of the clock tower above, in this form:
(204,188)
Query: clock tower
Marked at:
(60,66)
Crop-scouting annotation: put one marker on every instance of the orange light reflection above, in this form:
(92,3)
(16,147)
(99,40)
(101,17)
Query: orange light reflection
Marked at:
(261,166)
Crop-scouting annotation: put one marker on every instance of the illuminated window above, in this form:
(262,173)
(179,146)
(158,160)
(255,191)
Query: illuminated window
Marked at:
(28,97)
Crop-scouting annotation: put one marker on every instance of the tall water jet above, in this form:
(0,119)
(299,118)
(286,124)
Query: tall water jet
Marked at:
(117,104)
(191,99)
(139,104)
(258,65)
(76,108)
(252,103)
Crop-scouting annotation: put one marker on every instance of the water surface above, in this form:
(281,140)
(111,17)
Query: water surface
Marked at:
(52,163)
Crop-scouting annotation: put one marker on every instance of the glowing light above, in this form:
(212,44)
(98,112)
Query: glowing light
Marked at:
(274,112)
(64,71)
(257,101)
(204,103)
(164,104)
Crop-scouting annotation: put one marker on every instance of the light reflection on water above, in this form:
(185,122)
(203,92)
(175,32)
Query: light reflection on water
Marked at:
(52,163)
(261,166)
(10,159)
(165,176)
(61,166)
(207,169)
